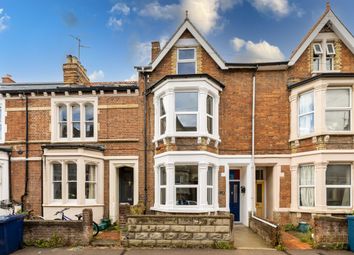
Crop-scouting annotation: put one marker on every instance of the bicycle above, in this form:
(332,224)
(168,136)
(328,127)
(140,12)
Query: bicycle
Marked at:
(95,226)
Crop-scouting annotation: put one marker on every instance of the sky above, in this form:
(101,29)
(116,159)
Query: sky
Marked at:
(36,35)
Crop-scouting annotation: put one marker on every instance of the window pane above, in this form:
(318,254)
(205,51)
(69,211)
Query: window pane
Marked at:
(306,103)
(162,106)
(210,196)
(90,190)
(76,129)
(90,173)
(72,173)
(307,175)
(163,196)
(210,125)
(337,98)
(62,113)
(162,125)
(186,68)
(72,190)
(57,194)
(75,113)
(210,105)
(56,172)
(162,175)
(186,122)
(186,174)
(186,54)
(307,197)
(88,112)
(338,196)
(210,176)
(63,130)
(259,193)
(329,63)
(89,129)
(306,124)
(186,196)
(186,101)
(338,175)
(338,120)
(316,64)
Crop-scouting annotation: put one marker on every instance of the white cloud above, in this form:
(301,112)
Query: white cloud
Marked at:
(258,52)
(96,75)
(228,4)
(115,23)
(142,52)
(120,8)
(280,8)
(133,77)
(157,11)
(238,43)
(4,18)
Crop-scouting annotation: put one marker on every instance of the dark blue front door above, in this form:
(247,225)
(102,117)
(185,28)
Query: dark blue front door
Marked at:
(235,199)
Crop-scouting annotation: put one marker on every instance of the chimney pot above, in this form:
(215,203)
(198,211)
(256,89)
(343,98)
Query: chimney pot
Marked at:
(155,50)
(7,78)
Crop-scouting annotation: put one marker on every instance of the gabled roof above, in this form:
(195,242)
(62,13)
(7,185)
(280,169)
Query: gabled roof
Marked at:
(328,17)
(187,25)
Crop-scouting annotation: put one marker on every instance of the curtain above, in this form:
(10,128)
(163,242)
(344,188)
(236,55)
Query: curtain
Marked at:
(307,178)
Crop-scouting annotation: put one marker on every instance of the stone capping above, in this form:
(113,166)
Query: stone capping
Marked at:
(267,230)
(180,231)
(59,232)
(330,232)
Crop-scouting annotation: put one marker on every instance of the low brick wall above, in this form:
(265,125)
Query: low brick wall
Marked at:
(270,233)
(180,231)
(330,232)
(59,233)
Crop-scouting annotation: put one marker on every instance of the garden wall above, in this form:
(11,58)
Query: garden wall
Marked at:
(179,231)
(330,232)
(268,231)
(54,233)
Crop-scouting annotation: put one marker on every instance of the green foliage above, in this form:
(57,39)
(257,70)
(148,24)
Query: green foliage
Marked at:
(223,245)
(290,227)
(52,242)
(280,247)
(137,209)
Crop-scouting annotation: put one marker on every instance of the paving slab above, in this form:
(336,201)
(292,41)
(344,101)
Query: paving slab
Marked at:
(245,238)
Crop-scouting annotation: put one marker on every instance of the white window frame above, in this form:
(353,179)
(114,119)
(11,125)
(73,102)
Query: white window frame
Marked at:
(176,186)
(340,186)
(328,52)
(306,186)
(91,200)
(52,180)
(162,186)
(191,60)
(196,113)
(320,52)
(162,116)
(210,186)
(349,108)
(2,120)
(69,102)
(307,113)
(67,181)
(210,115)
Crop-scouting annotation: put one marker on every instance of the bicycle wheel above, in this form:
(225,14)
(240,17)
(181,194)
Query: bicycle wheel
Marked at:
(95,228)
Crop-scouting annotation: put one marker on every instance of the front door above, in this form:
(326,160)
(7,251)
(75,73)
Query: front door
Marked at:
(235,199)
(126,187)
(260,198)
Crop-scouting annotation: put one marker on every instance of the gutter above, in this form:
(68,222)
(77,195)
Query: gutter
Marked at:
(253,167)
(26,166)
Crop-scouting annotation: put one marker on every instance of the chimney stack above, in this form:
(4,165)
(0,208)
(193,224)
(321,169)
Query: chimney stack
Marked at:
(155,50)
(74,72)
(7,78)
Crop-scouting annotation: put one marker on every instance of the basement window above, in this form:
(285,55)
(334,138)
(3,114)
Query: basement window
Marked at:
(186,61)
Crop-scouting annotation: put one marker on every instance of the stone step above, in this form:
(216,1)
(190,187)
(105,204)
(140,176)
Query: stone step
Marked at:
(105,243)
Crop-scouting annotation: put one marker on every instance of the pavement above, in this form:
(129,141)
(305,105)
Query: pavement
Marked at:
(245,239)
(121,251)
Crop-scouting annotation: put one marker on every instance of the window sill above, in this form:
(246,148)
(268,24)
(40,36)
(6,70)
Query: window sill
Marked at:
(70,140)
(58,204)
(186,135)
(322,134)
(326,71)
(337,210)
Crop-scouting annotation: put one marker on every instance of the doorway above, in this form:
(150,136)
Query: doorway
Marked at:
(260,193)
(234,194)
(126,185)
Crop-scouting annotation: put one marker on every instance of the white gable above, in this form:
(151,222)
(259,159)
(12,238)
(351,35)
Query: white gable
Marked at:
(198,37)
(338,28)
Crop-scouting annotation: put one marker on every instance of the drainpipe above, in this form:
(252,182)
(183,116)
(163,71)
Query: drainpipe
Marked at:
(42,195)
(26,166)
(9,168)
(145,140)
(253,166)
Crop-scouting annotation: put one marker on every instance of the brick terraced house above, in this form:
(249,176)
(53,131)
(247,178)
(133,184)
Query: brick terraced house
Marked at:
(194,135)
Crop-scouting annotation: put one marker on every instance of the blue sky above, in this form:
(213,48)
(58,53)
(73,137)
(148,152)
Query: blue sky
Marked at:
(34,34)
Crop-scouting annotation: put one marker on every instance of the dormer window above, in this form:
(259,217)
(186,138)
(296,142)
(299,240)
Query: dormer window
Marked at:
(186,61)
(323,56)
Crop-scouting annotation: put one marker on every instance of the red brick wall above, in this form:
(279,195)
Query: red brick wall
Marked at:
(285,187)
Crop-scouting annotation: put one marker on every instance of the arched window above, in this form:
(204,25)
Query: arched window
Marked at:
(89,120)
(76,129)
(63,121)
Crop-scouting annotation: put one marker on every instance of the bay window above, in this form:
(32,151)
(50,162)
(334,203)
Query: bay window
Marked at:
(74,120)
(72,181)
(307,185)
(186,61)
(90,181)
(210,181)
(162,121)
(306,113)
(338,109)
(210,113)
(338,185)
(186,184)
(186,110)
(57,181)
(163,185)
